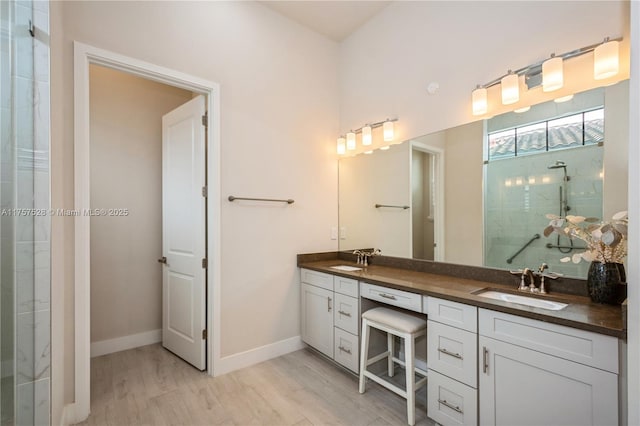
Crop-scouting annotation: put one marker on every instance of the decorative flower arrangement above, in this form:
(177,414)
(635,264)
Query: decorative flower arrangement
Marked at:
(606,241)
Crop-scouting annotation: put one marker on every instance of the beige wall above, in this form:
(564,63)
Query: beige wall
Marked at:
(616,149)
(279,118)
(463,194)
(126,172)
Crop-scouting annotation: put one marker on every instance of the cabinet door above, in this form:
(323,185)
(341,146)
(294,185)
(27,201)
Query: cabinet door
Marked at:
(346,313)
(317,318)
(519,386)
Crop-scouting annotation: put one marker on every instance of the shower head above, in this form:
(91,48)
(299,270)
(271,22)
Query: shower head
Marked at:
(558,165)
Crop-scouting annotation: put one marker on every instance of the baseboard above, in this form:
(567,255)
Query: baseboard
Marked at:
(71,415)
(255,356)
(123,343)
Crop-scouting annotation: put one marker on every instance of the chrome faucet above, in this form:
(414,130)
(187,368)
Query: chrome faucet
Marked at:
(364,256)
(532,280)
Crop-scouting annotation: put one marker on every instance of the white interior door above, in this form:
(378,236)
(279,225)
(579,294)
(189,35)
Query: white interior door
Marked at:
(183,232)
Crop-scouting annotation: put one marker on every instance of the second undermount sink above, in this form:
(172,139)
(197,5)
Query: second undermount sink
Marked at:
(522,300)
(346,268)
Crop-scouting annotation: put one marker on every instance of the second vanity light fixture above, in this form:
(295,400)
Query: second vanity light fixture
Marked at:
(348,143)
(605,64)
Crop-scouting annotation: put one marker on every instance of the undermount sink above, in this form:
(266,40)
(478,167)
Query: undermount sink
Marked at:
(346,268)
(523,300)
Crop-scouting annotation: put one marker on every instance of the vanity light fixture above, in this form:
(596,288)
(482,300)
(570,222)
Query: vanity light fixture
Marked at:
(606,59)
(387,131)
(349,143)
(550,73)
(384,148)
(342,146)
(479,100)
(367,139)
(510,88)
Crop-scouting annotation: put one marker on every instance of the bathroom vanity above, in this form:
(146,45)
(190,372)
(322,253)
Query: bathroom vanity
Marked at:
(489,361)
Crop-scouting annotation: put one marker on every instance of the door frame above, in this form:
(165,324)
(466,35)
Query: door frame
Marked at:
(439,197)
(85,55)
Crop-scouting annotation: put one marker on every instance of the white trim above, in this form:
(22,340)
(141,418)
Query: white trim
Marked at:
(109,346)
(633,260)
(438,222)
(84,55)
(69,415)
(258,355)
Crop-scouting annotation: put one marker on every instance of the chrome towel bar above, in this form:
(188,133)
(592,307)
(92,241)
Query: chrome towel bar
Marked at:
(289,201)
(393,207)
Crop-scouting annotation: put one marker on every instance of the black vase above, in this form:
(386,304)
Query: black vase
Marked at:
(605,283)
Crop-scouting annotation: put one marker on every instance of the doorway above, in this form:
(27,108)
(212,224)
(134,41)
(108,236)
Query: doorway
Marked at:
(427,202)
(134,221)
(85,56)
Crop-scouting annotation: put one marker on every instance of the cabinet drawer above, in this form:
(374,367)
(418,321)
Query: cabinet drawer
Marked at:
(585,347)
(346,349)
(345,313)
(452,313)
(346,286)
(453,352)
(318,279)
(450,402)
(390,296)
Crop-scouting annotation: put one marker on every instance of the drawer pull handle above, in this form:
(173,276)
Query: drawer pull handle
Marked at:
(485,359)
(328,304)
(346,314)
(388,296)
(453,354)
(453,407)
(345,350)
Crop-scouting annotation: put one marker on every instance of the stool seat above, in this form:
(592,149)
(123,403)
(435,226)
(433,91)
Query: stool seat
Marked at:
(408,328)
(395,319)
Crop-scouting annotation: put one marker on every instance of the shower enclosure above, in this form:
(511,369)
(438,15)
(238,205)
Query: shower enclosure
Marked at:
(549,167)
(24,218)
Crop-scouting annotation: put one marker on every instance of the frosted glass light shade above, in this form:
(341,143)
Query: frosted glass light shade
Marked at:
(479,101)
(342,146)
(510,89)
(351,141)
(606,61)
(552,74)
(366,135)
(387,131)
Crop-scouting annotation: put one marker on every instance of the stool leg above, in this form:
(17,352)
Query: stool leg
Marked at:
(390,341)
(364,353)
(409,361)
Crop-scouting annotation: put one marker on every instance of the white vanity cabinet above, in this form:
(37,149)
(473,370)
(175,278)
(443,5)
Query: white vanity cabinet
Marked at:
(536,373)
(452,346)
(330,311)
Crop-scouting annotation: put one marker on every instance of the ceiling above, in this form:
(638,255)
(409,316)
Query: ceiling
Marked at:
(334,19)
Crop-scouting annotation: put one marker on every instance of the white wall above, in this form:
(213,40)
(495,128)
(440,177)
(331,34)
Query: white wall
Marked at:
(387,64)
(126,172)
(279,103)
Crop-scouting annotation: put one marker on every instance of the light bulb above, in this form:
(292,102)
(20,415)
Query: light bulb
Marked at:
(366,135)
(606,60)
(342,146)
(552,74)
(521,110)
(510,88)
(563,99)
(351,141)
(387,131)
(479,101)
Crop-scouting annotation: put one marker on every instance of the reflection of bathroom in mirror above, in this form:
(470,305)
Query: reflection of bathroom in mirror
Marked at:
(478,193)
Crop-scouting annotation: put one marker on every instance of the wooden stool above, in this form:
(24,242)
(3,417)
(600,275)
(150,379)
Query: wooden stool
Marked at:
(406,327)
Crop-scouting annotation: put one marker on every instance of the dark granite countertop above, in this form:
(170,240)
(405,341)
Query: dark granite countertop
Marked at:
(581,312)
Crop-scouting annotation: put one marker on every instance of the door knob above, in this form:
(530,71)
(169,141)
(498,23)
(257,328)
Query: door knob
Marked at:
(163,259)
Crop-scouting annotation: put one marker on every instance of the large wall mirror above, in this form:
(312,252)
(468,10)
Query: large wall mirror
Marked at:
(478,194)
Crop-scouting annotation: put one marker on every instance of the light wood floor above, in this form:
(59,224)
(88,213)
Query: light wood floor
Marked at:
(151,386)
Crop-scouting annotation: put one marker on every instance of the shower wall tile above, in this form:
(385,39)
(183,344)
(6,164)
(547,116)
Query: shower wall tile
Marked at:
(33,290)
(25,254)
(33,349)
(32,403)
